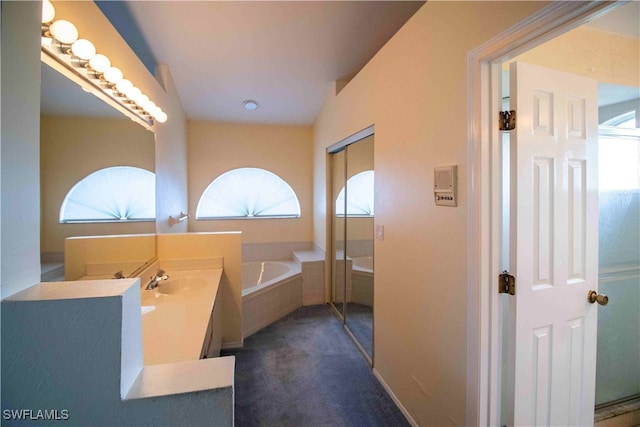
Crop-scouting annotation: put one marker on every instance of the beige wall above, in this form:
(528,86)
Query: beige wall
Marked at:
(20,130)
(415,91)
(171,172)
(215,148)
(71,148)
(603,56)
(105,255)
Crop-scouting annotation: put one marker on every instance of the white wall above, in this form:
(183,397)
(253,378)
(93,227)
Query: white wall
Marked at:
(415,92)
(171,159)
(20,156)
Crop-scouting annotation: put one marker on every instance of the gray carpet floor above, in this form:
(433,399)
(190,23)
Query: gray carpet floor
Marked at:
(305,371)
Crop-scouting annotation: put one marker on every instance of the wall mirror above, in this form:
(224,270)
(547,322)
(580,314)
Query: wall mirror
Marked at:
(352,243)
(94,161)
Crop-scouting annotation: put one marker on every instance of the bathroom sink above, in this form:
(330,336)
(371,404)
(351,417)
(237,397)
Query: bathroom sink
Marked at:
(181,286)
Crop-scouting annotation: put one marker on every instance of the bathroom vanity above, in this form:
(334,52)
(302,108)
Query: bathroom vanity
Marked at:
(182,315)
(180,307)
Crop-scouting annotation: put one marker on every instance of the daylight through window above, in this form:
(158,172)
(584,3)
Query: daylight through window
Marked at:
(248,193)
(115,194)
(360,198)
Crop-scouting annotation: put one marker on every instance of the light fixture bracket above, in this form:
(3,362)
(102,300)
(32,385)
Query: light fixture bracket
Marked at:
(91,82)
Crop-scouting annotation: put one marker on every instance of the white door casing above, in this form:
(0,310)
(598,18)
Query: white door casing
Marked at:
(554,246)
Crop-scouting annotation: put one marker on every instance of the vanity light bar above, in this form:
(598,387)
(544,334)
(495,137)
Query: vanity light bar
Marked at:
(78,57)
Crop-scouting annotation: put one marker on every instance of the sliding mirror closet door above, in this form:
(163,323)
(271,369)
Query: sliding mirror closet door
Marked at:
(338,232)
(352,189)
(359,242)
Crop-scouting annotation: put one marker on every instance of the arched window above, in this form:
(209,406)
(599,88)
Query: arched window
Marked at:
(248,193)
(360,199)
(626,120)
(115,194)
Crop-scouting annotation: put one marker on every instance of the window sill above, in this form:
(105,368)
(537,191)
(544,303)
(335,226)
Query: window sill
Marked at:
(243,218)
(102,221)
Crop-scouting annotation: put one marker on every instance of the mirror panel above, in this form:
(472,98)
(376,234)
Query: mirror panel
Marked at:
(359,242)
(79,135)
(338,269)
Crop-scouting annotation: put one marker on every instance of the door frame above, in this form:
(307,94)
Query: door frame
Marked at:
(484,371)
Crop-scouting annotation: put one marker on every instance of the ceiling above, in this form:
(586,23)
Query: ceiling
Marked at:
(286,55)
(624,20)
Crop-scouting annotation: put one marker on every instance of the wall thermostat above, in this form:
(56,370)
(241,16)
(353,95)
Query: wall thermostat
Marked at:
(444,185)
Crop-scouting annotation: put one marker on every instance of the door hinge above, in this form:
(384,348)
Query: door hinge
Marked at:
(506,283)
(508,120)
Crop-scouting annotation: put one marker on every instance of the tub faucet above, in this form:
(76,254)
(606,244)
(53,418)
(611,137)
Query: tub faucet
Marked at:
(155,281)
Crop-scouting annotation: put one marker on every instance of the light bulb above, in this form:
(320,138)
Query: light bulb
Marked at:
(134,94)
(83,49)
(154,110)
(142,100)
(48,11)
(99,63)
(124,85)
(149,107)
(161,117)
(64,31)
(113,75)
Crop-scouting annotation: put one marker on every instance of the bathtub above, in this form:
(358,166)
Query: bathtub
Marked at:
(363,264)
(362,280)
(270,291)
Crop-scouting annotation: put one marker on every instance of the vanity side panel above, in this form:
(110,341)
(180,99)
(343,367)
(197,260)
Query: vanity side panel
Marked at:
(80,251)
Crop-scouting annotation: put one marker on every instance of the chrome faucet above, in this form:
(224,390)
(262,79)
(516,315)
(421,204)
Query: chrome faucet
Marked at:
(155,281)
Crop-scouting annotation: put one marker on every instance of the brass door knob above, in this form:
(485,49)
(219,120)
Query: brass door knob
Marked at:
(599,298)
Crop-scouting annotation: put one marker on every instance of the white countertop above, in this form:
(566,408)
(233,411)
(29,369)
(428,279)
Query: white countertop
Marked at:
(73,290)
(175,330)
(183,377)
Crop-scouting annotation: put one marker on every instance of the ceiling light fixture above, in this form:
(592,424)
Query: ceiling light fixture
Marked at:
(77,59)
(250,105)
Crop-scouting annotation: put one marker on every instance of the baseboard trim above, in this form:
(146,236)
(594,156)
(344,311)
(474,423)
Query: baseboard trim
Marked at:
(232,344)
(404,411)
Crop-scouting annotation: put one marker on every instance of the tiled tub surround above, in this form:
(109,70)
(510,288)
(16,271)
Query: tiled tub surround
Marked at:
(313,270)
(273,297)
(362,280)
(274,251)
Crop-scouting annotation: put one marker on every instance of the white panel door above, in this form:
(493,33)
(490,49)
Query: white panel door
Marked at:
(554,243)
